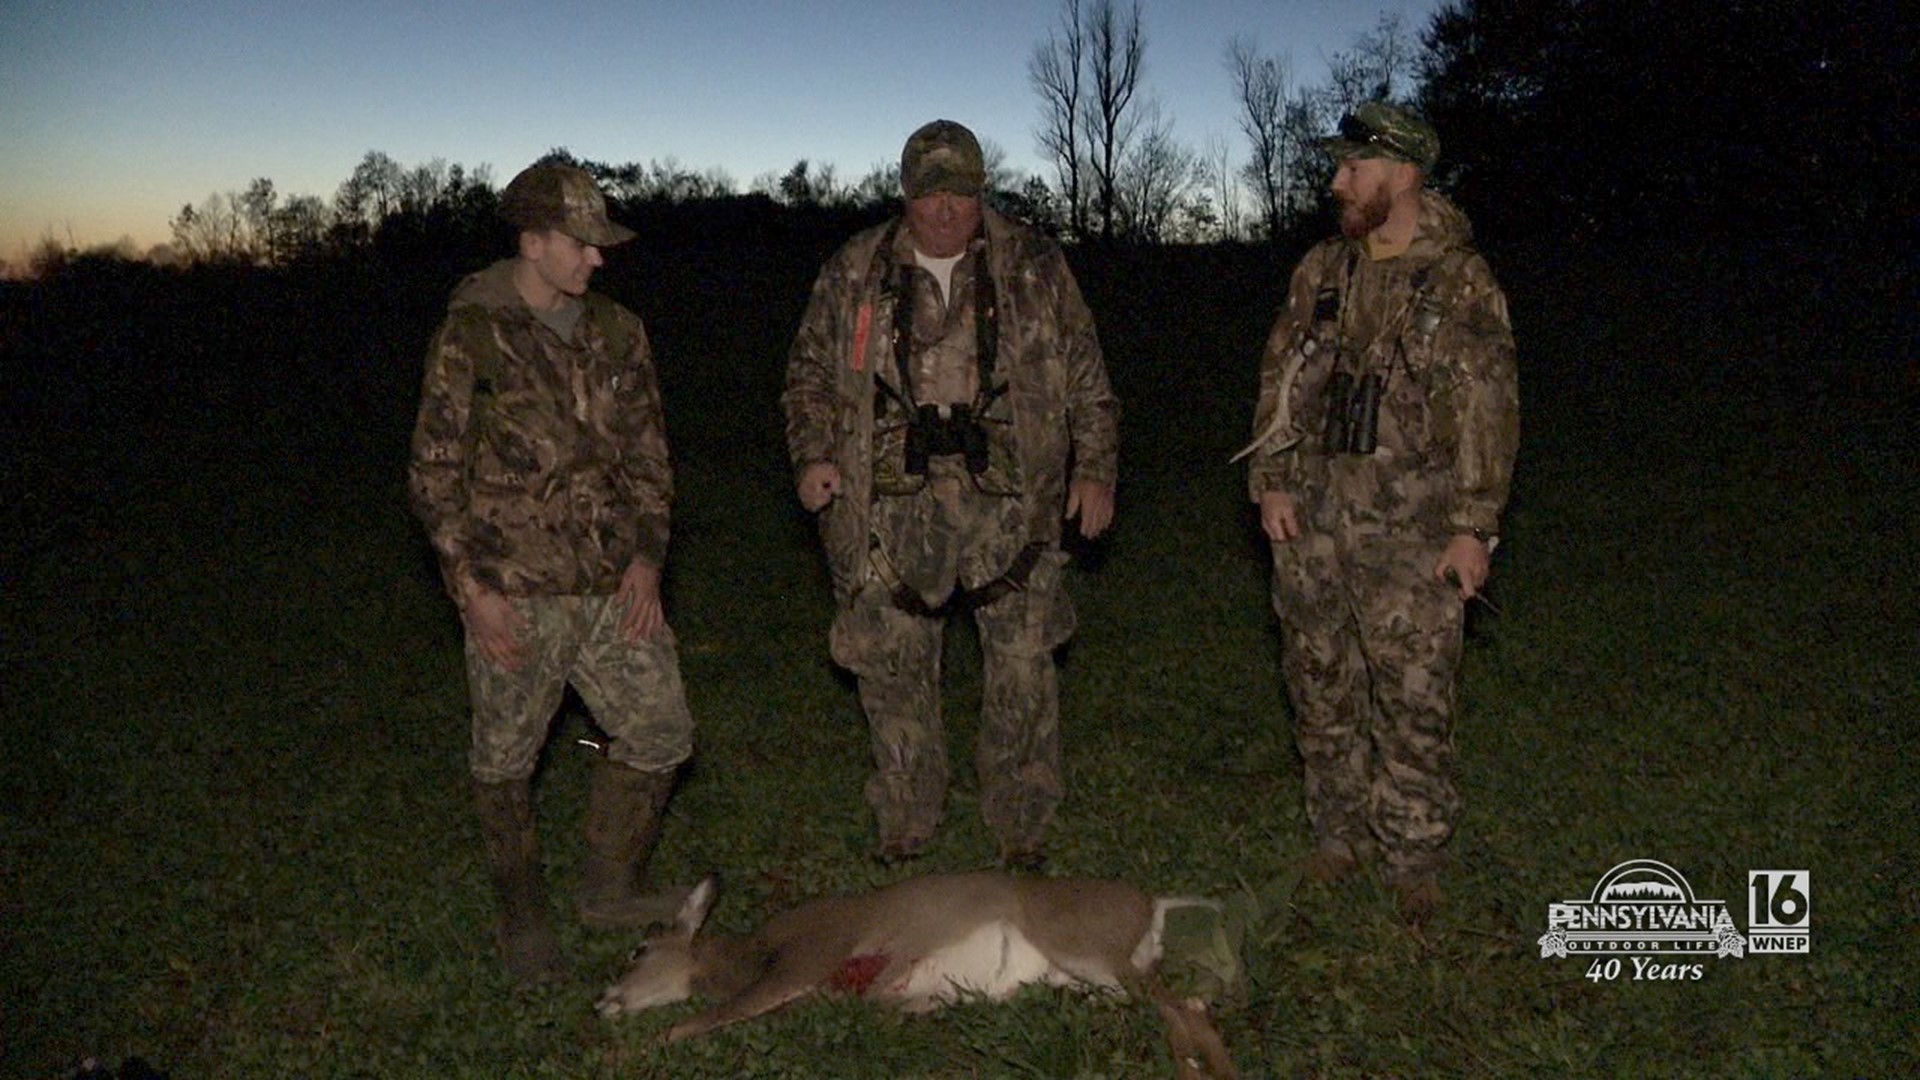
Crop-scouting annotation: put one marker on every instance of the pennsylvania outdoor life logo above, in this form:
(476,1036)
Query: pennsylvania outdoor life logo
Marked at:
(1645,912)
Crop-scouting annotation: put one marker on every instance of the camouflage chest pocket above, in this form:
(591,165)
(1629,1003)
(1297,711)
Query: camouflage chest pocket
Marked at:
(1420,338)
(890,432)
(1003,475)
(1318,352)
(510,437)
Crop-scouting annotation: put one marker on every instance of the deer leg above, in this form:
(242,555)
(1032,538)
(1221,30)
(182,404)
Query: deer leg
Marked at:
(1199,1052)
(770,994)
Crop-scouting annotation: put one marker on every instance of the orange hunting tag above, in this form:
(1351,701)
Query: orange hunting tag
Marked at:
(862,324)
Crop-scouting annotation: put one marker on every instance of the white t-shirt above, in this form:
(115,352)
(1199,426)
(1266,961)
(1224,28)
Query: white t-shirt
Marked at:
(942,271)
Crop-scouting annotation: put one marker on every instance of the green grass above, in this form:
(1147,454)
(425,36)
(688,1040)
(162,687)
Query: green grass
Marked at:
(234,838)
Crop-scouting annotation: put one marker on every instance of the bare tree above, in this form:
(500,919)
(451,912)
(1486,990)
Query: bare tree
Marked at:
(880,187)
(1394,54)
(1088,75)
(1381,66)
(299,227)
(251,226)
(1055,70)
(670,181)
(1350,81)
(379,177)
(122,250)
(1196,221)
(1154,180)
(1034,202)
(423,185)
(1222,181)
(1000,175)
(207,232)
(254,209)
(1114,49)
(1260,89)
(663,181)
(716,183)
(352,212)
(49,258)
(366,198)
(766,184)
(796,185)
(808,185)
(1308,172)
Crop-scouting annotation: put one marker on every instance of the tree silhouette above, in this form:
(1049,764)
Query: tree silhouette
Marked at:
(1260,88)
(1087,73)
(1629,116)
(1057,70)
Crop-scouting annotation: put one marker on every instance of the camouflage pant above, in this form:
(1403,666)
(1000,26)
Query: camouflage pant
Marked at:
(633,690)
(1371,646)
(948,530)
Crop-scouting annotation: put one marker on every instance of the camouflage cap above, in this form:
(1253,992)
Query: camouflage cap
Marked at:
(564,198)
(942,156)
(1377,129)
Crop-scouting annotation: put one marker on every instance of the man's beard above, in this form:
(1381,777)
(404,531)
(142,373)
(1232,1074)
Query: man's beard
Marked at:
(1357,219)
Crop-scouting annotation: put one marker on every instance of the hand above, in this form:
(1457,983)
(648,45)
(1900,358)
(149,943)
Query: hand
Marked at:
(1277,516)
(1468,560)
(1092,502)
(819,484)
(641,613)
(495,627)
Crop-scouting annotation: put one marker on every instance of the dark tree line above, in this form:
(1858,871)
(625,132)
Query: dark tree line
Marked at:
(1634,117)
(1557,117)
(1283,120)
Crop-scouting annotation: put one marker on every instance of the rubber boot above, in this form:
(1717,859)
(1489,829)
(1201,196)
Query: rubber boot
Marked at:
(624,811)
(1416,886)
(1334,860)
(526,941)
(1418,896)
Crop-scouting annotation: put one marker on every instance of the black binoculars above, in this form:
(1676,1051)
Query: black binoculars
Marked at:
(1353,413)
(930,434)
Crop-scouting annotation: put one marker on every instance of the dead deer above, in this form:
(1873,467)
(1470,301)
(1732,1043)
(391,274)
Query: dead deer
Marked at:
(920,944)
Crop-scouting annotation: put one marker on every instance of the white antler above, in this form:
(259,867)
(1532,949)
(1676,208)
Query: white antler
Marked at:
(1283,410)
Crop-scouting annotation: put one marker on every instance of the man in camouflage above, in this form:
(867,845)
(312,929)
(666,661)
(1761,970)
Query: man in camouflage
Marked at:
(1386,429)
(946,404)
(540,470)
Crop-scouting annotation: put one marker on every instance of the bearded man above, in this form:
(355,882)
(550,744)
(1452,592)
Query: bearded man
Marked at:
(1386,430)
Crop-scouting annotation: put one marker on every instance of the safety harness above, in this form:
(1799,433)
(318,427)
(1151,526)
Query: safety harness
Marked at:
(986,328)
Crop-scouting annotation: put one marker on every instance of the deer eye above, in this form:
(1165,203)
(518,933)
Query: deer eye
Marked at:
(639,951)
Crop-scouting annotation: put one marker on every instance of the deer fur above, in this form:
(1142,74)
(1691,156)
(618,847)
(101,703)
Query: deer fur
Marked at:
(917,945)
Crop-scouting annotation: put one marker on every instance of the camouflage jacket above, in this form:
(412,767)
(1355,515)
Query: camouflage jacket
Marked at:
(539,464)
(1058,419)
(1433,323)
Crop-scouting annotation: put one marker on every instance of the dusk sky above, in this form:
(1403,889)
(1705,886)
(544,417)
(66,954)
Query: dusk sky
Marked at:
(117,113)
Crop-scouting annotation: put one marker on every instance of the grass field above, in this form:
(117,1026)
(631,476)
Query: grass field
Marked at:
(234,836)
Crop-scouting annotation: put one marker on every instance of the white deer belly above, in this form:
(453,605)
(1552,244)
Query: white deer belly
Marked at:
(993,960)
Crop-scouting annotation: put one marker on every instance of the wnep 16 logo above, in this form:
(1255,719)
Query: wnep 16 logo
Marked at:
(1643,921)
(1778,905)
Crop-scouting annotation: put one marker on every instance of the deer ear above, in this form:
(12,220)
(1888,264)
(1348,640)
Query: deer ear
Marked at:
(693,911)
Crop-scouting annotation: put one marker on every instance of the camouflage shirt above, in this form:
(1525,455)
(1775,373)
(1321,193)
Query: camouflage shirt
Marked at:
(1057,422)
(540,463)
(1433,323)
